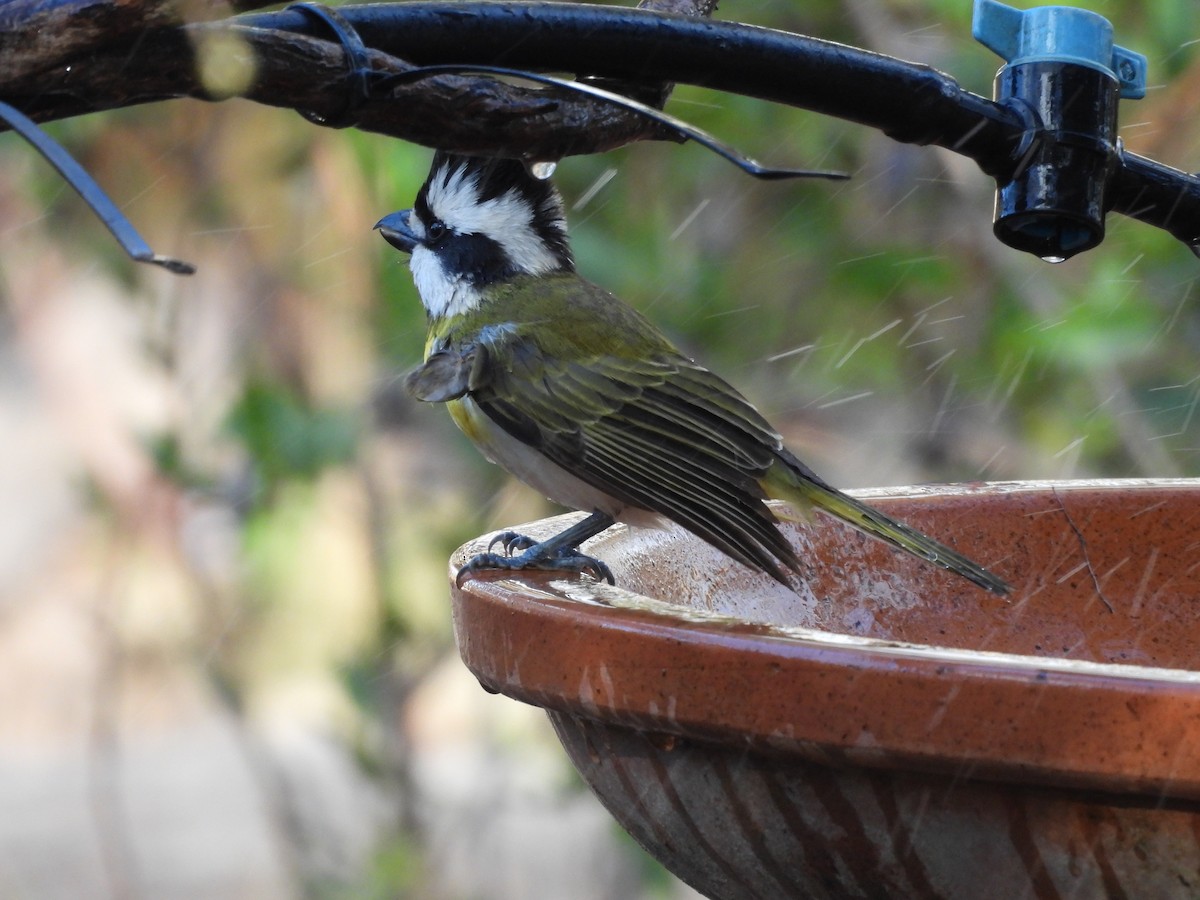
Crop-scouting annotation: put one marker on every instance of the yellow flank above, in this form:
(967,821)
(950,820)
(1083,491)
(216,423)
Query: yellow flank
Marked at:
(467,418)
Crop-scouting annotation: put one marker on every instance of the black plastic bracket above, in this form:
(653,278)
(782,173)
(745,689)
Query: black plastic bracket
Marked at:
(1054,203)
(1064,78)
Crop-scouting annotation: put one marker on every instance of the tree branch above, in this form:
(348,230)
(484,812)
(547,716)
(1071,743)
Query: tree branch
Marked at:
(63,58)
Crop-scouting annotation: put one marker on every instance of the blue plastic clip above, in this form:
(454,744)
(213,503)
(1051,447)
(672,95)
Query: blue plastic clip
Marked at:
(1058,34)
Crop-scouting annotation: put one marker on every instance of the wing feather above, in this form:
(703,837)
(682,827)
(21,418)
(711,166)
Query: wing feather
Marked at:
(656,432)
(722,511)
(732,539)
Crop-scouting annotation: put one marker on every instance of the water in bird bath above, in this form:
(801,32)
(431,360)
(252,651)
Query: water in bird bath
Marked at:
(1100,572)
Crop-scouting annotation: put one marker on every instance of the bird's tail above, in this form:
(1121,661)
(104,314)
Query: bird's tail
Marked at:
(805,491)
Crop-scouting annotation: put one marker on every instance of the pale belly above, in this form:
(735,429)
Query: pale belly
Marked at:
(537,471)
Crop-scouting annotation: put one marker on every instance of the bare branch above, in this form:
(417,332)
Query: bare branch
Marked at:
(62,58)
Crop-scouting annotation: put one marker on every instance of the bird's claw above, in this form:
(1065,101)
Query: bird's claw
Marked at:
(574,561)
(563,559)
(512,541)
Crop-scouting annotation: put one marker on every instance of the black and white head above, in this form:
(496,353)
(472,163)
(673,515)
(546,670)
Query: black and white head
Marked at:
(477,222)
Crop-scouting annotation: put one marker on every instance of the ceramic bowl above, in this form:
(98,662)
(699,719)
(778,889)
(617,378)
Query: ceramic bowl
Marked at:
(889,729)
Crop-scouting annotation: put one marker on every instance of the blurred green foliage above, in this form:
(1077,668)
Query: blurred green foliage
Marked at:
(286,438)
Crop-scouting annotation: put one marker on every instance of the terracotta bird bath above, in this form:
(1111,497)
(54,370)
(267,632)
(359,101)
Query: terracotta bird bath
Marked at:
(890,730)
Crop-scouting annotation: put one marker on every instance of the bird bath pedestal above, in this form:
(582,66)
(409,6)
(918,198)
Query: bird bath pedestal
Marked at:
(890,729)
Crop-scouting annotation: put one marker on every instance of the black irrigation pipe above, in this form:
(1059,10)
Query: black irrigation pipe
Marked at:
(909,102)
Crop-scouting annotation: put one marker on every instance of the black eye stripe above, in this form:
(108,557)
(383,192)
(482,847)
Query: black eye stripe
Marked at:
(474,257)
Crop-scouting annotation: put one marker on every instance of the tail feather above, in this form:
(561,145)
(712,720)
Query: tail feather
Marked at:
(806,491)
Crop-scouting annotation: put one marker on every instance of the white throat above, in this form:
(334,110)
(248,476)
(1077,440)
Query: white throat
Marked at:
(441,294)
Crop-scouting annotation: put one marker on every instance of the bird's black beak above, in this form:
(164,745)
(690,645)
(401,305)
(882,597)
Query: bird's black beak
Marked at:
(396,232)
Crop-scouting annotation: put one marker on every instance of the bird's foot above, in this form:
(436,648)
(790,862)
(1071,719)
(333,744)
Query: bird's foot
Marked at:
(547,556)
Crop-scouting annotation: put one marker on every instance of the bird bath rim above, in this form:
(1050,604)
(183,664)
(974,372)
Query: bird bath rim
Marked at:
(614,655)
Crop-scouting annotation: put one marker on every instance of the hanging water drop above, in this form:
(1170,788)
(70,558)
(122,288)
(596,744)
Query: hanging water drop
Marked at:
(1054,260)
(542,170)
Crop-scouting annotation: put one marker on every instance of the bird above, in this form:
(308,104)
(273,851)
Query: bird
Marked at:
(583,398)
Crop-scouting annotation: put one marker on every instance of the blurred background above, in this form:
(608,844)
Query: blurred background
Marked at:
(226,661)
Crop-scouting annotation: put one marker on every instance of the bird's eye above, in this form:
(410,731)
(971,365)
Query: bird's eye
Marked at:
(436,231)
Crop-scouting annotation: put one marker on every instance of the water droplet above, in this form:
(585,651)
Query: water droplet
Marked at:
(542,170)
(1195,248)
(1054,260)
